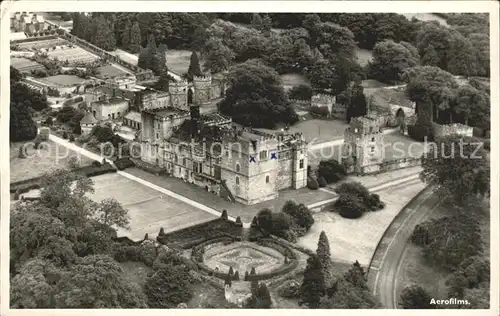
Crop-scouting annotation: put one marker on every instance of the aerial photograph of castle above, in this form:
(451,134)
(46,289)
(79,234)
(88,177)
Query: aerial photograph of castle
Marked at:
(249,160)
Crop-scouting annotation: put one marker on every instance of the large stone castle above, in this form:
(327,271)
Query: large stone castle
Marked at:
(210,151)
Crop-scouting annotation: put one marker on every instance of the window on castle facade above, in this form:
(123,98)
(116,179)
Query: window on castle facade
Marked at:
(238,180)
(267,179)
(237,167)
(157,136)
(301,163)
(263,155)
(373,139)
(372,149)
(184,161)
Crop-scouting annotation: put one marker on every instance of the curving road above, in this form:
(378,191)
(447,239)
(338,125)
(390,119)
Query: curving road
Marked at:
(386,273)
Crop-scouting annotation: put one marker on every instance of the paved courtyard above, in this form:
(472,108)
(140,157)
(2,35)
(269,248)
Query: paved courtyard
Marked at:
(149,209)
(356,239)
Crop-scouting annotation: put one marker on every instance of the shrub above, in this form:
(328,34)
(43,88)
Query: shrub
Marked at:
(312,183)
(168,287)
(123,163)
(224,215)
(290,289)
(319,110)
(22,152)
(416,297)
(96,163)
(254,222)
(322,182)
(349,206)
(246,276)
(300,213)
(16,195)
(332,171)
(133,253)
(252,271)
(65,135)
(49,121)
(77,129)
(162,232)
(71,138)
(236,276)
(238,221)
(73,162)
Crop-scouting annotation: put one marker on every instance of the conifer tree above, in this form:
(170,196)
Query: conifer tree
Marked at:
(324,256)
(135,38)
(356,275)
(267,24)
(194,66)
(313,286)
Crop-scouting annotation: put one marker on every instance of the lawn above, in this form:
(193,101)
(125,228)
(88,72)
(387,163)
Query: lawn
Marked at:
(178,60)
(397,146)
(25,65)
(149,209)
(110,71)
(356,239)
(246,212)
(73,54)
(364,56)
(49,158)
(317,130)
(291,80)
(63,80)
(426,17)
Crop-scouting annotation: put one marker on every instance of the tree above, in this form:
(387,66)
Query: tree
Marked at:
(390,60)
(430,56)
(459,165)
(217,56)
(265,219)
(416,297)
(470,100)
(125,35)
(356,275)
(257,22)
(135,39)
(111,213)
(21,126)
(301,215)
(194,66)
(301,92)
(323,254)
(431,88)
(422,130)
(357,105)
(267,24)
(331,170)
(97,282)
(313,286)
(103,34)
(200,37)
(168,287)
(462,56)
(261,298)
(266,104)
(439,38)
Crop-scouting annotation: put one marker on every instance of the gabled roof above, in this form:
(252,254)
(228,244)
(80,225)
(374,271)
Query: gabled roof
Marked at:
(88,119)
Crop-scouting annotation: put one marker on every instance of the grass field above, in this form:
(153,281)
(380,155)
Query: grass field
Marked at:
(149,209)
(364,56)
(63,80)
(426,17)
(291,80)
(47,159)
(110,71)
(356,239)
(73,54)
(178,60)
(25,65)
(320,130)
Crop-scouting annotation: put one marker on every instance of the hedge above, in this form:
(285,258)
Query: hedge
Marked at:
(124,163)
(34,183)
(191,236)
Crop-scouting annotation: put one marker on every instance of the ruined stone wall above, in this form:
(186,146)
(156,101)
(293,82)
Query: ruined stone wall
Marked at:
(452,129)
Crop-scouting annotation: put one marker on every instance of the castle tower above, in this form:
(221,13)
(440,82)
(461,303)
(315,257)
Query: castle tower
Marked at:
(363,145)
(179,95)
(299,160)
(202,89)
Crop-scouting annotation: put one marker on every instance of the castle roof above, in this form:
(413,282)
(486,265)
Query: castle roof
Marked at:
(133,116)
(88,118)
(166,111)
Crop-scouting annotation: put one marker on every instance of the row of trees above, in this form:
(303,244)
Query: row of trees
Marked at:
(23,102)
(437,93)
(96,28)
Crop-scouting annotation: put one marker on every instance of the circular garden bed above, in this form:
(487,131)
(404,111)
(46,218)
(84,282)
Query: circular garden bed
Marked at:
(226,257)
